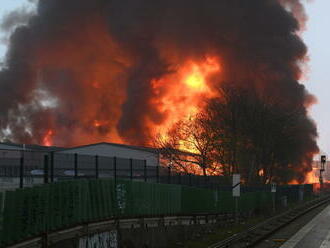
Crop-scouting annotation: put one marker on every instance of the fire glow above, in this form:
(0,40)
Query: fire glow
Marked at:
(48,138)
(114,74)
(179,95)
(185,92)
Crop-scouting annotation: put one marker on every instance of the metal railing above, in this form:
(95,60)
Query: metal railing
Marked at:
(27,168)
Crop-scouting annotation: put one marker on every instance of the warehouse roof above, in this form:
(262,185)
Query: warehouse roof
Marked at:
(31,147)
(140,148)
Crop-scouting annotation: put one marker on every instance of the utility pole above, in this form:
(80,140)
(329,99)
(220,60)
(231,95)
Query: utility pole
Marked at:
(323,161)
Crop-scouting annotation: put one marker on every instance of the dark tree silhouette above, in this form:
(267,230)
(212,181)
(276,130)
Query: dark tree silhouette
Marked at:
(242,131)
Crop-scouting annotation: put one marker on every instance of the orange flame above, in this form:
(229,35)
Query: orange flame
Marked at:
(312,177)
(182,94)
(176,95)
(48,138)
(98,123)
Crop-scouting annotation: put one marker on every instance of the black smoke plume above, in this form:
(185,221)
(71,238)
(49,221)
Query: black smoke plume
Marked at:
(84,68)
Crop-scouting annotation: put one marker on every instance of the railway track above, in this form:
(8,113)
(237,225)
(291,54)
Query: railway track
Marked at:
(261,231)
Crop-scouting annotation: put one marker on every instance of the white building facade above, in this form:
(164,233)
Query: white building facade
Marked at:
(116,150)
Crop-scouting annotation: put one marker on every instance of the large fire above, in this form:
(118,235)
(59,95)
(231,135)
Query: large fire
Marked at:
(179,95)
(101,82)
(185,91)
(84,71)
(312,177)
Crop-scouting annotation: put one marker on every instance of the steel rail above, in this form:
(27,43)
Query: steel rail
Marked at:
(259,232)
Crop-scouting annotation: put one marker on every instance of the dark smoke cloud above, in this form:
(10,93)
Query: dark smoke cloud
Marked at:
(66,44)
(298,10)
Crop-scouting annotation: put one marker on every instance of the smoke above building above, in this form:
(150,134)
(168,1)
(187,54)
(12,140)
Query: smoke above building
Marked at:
(83,71)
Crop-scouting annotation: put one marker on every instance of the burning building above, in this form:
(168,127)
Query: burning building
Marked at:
(85,71)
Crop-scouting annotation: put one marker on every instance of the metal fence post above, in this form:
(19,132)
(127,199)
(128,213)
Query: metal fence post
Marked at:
(206,181)
(189,179)
(75,165)
(45,169)
(157,173)
(145,170)
(96,166)
(115,168)
(21,172)
(51,167)
(131,168)
(169,175)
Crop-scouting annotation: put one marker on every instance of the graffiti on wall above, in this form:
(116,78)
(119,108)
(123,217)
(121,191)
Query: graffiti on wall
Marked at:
(100,240)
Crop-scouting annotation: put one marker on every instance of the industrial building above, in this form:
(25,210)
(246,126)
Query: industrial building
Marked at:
(101,159)
(105,149)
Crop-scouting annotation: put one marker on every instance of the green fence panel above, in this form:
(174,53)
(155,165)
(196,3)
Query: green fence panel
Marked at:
(247,202)
(198,200)
(308,191)
(99,200)
(118,199)
(142,201)
(105,199)
(41,213)
(9,217)
(169,199)
(84,213)
(146,199)
(265,200)
(44,201)
(226,202)
(109,194)
(65,188)
(57,200)
(161,198)
(31,211)
(78,203)
(51,202)
(174,199)
(38,196)
(93,199)
(22,217)
(138,201)
(102,200)
(72,202)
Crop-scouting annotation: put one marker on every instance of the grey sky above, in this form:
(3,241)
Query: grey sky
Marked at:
(317,38)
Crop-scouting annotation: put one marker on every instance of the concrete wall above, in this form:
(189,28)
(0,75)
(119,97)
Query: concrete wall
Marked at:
(109,150)
(137,233)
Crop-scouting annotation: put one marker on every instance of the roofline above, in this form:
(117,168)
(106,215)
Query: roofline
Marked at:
(31,147)
(11,144)
(139,148)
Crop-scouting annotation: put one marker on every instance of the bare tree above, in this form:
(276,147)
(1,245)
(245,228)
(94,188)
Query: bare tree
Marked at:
(242,131)
(187,145)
